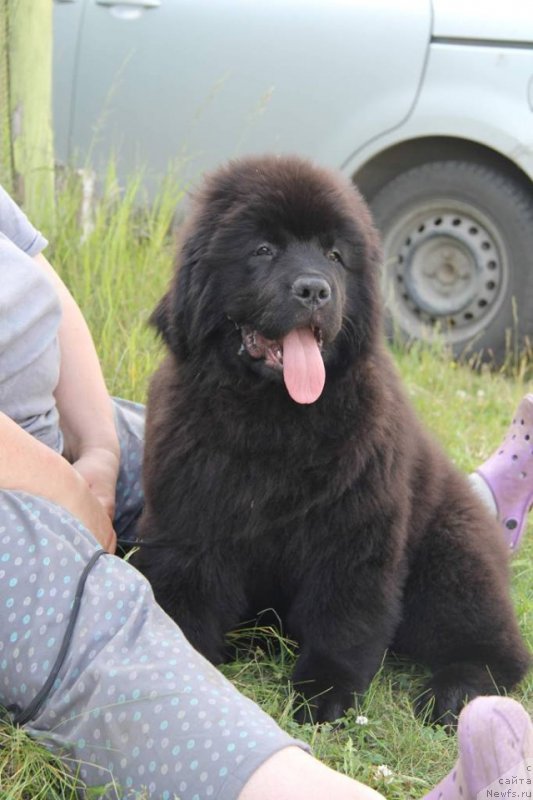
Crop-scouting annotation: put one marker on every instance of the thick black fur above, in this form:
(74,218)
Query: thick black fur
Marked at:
(342,515)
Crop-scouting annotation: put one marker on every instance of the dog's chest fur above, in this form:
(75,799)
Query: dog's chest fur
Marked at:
(282,480)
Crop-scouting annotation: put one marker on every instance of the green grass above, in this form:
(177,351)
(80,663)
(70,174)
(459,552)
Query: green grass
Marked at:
(117,272)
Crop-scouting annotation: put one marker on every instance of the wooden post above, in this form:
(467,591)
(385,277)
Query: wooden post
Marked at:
(6,150)
(26,155)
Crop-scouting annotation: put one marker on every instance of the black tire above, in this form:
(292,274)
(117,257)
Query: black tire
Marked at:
(458,257)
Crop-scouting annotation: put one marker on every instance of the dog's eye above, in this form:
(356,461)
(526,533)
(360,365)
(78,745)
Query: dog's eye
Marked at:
(334,255)
(263,250)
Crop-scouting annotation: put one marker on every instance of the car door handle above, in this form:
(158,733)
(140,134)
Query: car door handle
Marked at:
(130,3)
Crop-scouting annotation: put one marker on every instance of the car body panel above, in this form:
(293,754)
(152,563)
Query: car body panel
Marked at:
(488,20)
(403,97)
(211,80)
(473,92)
(67,22)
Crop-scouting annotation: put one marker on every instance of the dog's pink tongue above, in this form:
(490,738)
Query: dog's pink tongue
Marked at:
(303,369)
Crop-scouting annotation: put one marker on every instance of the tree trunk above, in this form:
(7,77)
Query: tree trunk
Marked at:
(26,148)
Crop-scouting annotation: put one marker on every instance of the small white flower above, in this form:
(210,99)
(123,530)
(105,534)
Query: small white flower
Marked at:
(384,772)
(461,393)
(361,720)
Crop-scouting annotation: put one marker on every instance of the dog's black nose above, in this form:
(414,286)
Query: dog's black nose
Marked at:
(311,291)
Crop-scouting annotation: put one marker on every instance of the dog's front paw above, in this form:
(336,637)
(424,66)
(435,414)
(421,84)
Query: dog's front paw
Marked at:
(327,684)
(328,707)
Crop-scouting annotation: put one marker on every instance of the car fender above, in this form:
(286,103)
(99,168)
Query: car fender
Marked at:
(463,85)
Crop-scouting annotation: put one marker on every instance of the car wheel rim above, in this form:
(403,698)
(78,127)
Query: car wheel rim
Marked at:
(445,269)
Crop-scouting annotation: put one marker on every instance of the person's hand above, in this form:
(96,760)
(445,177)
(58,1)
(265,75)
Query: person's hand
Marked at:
(28,465)
(99,468)
(91,512)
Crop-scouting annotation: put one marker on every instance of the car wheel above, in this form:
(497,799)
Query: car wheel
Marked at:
(458,256)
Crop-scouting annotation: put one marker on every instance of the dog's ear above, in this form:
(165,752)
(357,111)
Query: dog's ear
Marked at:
(161,318)
(188,317)
(178,317)
(172,316)
(167,319)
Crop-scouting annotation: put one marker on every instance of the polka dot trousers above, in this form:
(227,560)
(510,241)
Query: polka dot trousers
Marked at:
(133,707)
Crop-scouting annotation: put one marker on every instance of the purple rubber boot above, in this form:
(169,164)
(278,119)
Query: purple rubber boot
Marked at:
(495,737)
(509,474)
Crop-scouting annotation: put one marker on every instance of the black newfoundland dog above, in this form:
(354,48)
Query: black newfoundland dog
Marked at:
(285,468)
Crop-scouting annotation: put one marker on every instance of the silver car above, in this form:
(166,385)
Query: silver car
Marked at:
(426,104)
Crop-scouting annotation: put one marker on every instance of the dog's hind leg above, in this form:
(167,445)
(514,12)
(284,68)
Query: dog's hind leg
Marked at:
(457,614)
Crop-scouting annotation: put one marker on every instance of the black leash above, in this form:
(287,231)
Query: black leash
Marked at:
(21,717)
(128,544)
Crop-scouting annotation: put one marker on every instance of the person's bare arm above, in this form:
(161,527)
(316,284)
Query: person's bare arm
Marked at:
(83,402)
(30,466)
